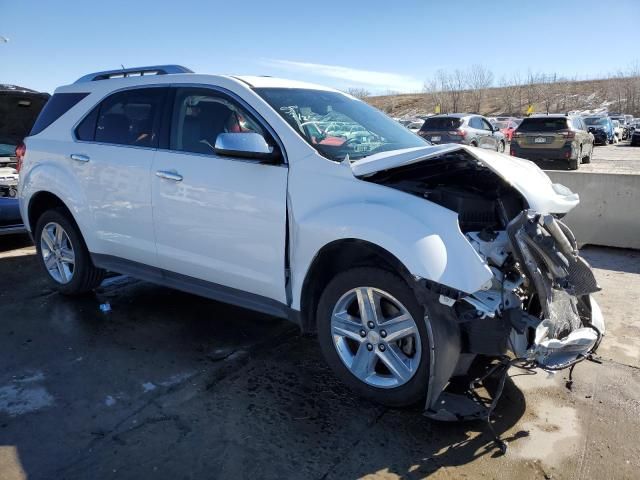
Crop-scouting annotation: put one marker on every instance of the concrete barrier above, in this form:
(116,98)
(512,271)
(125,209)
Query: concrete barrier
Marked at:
(609,210)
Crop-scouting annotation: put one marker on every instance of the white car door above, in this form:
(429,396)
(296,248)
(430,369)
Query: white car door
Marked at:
(220,221)
(114,155)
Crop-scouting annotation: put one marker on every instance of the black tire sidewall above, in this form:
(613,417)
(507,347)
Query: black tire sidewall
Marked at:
(415,389)
(85,275)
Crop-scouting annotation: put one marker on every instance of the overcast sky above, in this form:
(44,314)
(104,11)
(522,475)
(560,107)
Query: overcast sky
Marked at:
(378,45)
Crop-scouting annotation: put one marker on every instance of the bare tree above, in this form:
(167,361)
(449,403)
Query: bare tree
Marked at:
(532,88)
(478,80)
(358,92)
(510,93)
(547,90)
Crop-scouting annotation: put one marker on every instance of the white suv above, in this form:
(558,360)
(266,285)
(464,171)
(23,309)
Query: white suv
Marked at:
(411,262)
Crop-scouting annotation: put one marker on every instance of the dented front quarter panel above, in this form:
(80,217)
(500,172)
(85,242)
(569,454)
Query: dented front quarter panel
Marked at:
(423,236)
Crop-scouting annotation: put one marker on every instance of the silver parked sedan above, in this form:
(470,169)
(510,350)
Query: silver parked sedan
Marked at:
(469,129)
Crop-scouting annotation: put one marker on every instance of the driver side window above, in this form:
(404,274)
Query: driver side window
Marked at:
(200,115)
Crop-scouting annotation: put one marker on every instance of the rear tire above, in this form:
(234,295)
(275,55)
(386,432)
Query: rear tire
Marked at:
(573,164)
(587,159)
(63,254)
(501,147)
(360,361)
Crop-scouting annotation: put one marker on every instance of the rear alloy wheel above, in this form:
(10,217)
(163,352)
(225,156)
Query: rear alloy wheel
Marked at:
(64,255)
(372,333)
(57,252)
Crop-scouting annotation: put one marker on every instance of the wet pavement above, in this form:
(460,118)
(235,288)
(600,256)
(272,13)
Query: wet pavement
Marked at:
(169,385)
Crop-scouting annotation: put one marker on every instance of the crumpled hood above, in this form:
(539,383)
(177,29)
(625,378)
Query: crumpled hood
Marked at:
(526,177)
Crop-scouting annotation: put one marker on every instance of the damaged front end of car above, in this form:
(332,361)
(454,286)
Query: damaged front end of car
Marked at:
(535,312)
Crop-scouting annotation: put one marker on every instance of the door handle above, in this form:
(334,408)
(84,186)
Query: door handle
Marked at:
(176,177)
(78,157)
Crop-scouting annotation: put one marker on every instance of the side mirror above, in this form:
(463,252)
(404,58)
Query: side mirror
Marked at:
(246,145)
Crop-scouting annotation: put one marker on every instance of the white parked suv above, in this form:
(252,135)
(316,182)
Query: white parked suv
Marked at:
(413,263)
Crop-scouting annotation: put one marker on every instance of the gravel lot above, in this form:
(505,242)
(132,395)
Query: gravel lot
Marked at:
(168,385)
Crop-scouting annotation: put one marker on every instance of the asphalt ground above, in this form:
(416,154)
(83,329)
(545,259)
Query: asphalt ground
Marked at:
(170,385)
(616,158)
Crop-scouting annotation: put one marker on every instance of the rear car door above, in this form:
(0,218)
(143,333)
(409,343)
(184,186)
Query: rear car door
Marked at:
(486,137)
(116,143)
(220,221)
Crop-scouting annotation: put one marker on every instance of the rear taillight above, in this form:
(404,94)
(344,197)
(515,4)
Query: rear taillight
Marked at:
(512,152)
(569,134)
(21,149)
(517,134)
(458,133)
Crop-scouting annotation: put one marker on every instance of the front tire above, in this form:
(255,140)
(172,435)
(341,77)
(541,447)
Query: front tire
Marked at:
(372,333)
(63,254)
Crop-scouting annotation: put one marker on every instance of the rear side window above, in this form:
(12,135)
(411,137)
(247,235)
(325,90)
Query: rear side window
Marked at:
(577,124)
(131,117)
(57,106)
(543,124)
(441,123)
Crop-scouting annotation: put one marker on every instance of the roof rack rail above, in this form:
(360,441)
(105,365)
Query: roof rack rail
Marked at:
(134,72)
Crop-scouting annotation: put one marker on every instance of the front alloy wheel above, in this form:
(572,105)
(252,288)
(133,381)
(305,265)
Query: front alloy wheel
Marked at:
(376,337)
(373,334)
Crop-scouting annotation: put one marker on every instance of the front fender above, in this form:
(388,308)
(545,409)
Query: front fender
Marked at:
(428,241)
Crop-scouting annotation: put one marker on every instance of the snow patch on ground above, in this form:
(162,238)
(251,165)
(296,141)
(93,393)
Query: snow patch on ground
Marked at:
(23,395)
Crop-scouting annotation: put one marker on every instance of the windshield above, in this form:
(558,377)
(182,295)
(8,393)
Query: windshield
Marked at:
(501,125)
(441,123)
(337,125)
(543,124)
(7,150)
(595,121)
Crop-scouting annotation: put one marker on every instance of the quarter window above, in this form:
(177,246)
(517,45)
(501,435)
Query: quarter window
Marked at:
(57,106)
(200,115)
(131,117)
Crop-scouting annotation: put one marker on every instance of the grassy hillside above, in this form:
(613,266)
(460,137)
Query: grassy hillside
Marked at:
(613,94)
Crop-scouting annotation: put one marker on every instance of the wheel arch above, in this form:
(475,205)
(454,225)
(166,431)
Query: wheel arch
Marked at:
(337,256)
(42,201)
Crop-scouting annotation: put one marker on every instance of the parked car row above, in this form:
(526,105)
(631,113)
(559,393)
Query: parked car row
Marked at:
(541,137)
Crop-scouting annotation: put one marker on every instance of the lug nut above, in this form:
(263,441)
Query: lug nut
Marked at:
(370,325)
(382,347)
(369,347)
(363,333)
(383,333)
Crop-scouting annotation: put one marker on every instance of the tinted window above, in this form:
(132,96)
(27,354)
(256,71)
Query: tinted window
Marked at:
(542,124)
(485,125)
(87,129)
(57,106)
(441,123)
(131,117)
(476,122)
(200,115)
(595,121)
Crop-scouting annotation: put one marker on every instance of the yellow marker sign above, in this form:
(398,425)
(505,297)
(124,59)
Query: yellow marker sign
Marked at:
(437,110)
(530,110)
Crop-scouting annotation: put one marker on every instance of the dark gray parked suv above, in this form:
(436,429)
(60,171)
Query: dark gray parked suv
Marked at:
(469,129)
